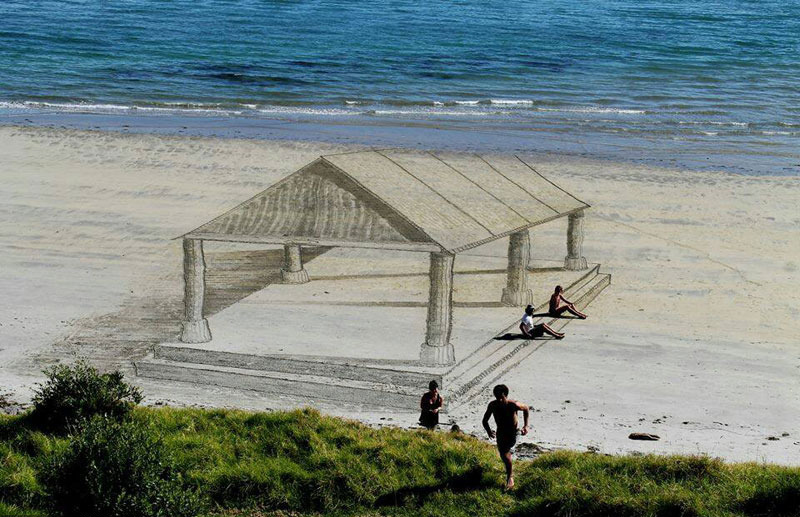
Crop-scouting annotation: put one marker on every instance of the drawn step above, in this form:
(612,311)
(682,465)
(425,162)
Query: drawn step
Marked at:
(480,355)
(341,368)
(507,357)
(312,387)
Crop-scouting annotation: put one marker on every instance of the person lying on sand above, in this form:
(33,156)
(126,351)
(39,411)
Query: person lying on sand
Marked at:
(529,330)
(560,305)
(505,417)
(430,405)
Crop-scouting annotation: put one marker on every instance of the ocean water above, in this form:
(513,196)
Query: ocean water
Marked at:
(702,84)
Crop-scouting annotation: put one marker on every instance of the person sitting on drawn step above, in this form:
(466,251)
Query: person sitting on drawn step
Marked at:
(560,305)
(430,405)
(531,330)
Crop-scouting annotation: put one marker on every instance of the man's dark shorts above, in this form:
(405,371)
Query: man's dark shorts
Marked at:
(506,441)
(536,331)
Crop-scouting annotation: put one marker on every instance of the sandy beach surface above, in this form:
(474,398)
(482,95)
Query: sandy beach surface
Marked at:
(696,340)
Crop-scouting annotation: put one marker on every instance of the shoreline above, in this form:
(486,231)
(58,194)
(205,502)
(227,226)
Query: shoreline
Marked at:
(699,325)
(468,133)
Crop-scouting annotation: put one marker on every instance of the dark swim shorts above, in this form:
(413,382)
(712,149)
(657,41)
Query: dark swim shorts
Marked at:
(506,441)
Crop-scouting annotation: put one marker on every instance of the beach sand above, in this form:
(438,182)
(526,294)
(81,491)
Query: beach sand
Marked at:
(696,340)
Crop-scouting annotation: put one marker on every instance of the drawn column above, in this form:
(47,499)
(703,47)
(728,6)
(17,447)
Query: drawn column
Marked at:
(195,326)
(437,349)
(516,292)
(292,271)
(574,260)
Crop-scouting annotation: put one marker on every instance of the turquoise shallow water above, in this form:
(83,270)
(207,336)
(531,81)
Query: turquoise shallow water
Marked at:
(715,83)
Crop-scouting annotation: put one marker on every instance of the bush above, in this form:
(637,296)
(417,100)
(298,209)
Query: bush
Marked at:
(73,395)
(114,469)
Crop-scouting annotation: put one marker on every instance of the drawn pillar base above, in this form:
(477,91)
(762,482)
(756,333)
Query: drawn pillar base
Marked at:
(516,298)
(516,292)
(293,271)
(195,326)
(294,277)
(575,261)
(437,355)
(437,349)
(575,264)
(196,331)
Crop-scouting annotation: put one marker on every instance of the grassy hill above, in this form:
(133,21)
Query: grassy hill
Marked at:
(304,463)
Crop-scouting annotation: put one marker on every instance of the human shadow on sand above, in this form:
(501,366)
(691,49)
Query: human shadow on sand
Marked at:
(563,316)
(508,336)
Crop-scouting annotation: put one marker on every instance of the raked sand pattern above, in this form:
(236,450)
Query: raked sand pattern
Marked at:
(696,340)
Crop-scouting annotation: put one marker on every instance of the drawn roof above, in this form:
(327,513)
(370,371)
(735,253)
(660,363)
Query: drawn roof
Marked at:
(396,199)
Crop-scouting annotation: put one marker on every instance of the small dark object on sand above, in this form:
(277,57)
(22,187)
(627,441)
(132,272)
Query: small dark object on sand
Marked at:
(644,436)
(529,450)
(773,438)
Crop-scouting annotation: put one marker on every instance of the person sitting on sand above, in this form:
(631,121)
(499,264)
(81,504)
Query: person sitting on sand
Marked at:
(505,417)
(430,404)
(531,330)
(560,305)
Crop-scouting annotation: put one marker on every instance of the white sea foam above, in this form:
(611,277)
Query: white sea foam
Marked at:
(452,113)
(210,111)
(712,123)
(595,109)
(306,111)
(78,107)
(12,105)
(512,102)
(116,108)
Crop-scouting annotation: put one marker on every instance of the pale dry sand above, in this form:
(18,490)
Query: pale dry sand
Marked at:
(696,340)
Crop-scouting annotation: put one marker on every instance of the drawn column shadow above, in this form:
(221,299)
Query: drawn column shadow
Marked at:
(129,333)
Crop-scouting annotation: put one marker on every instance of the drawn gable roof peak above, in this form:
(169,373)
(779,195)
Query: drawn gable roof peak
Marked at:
(397,198)
(317,203)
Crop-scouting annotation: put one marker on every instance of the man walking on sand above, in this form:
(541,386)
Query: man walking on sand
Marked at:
(505,417)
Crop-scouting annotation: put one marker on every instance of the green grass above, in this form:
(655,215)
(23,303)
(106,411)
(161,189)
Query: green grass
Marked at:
(303,463)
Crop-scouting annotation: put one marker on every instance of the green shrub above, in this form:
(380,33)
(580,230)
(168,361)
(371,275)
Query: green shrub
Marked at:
(18,482)
(73,395)
(117,469)
(10,510)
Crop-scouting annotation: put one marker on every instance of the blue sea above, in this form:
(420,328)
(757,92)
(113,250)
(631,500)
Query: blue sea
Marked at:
(699,84)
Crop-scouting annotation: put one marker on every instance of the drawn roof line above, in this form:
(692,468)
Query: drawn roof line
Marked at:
(514,230)
(252,198)
(515,183)
(438,193)
(550,182)
(379,198)
(423,222)
(481,187)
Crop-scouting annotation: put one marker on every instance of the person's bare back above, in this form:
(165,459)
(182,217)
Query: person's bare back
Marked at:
(505,415)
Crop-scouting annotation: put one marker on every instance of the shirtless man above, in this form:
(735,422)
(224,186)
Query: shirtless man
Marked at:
(560,305)
(530,330)
(505,417)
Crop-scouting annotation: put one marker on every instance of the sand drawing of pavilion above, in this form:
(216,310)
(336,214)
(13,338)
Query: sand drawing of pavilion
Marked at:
(403,200)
